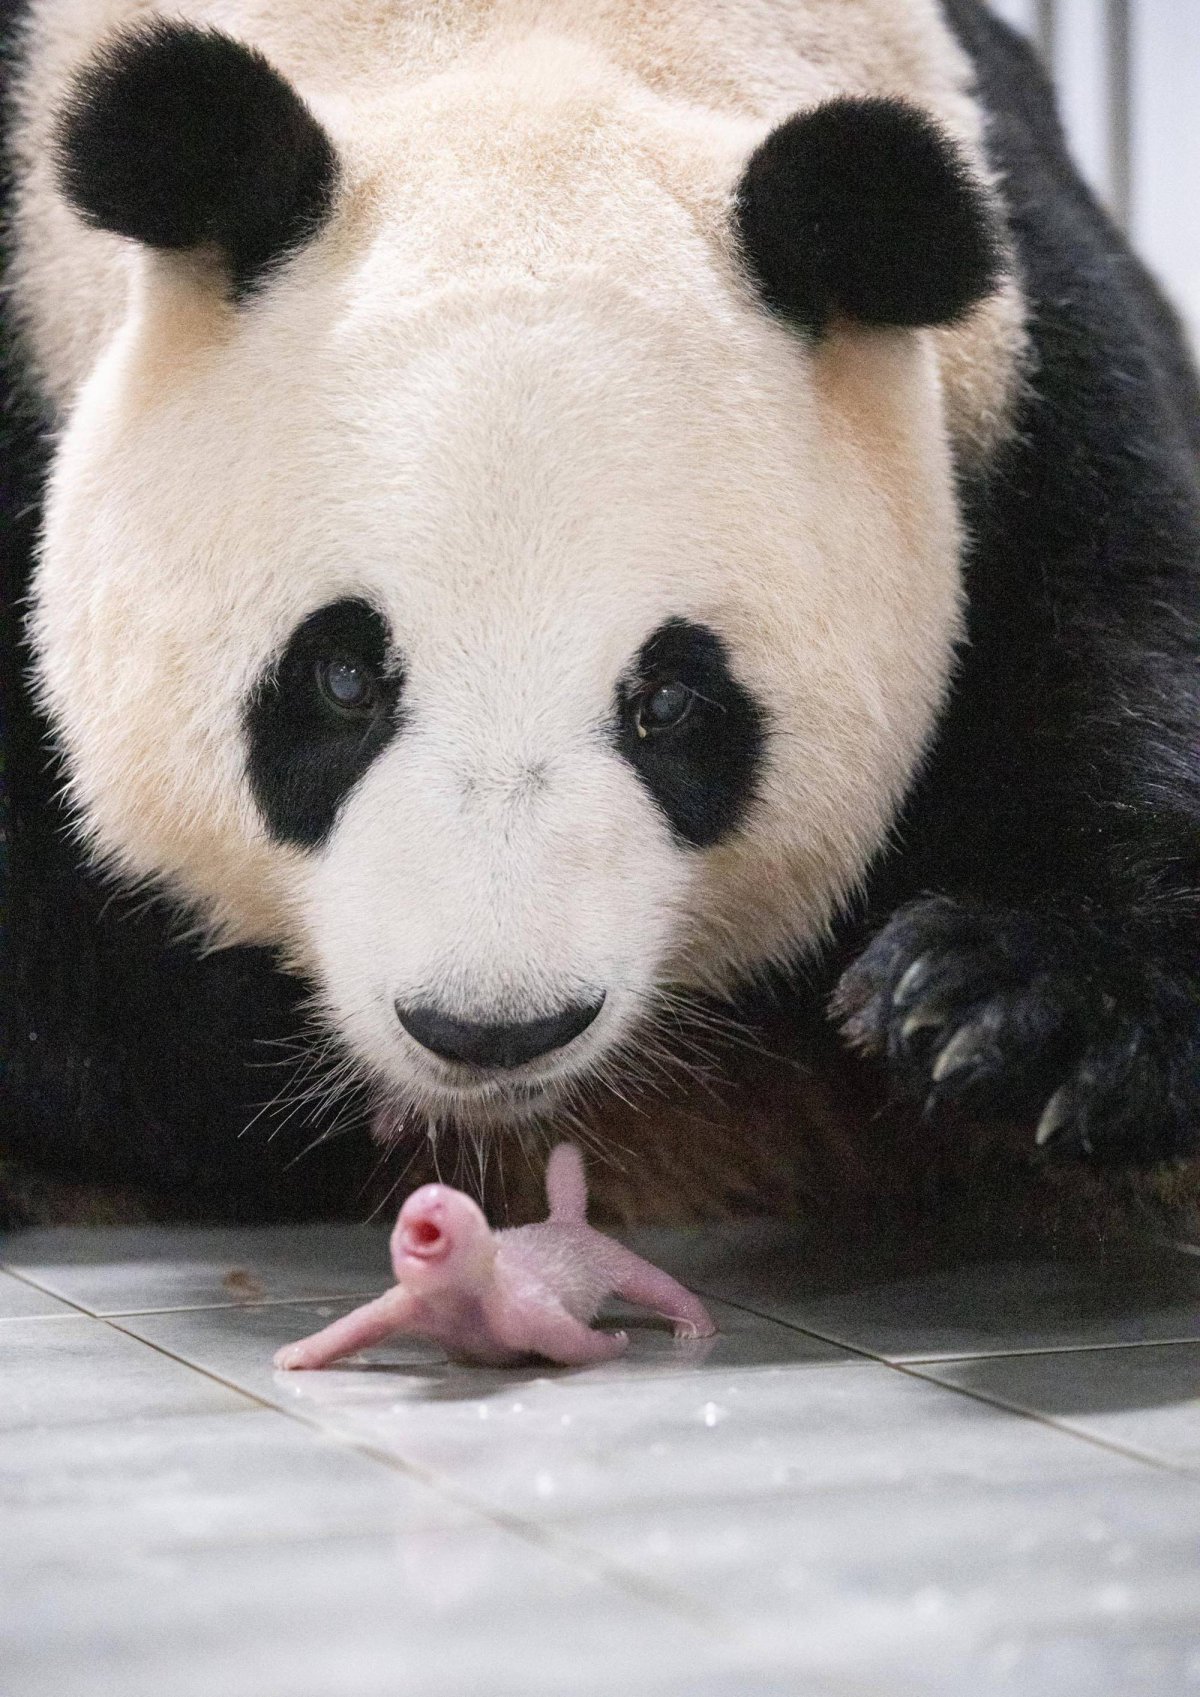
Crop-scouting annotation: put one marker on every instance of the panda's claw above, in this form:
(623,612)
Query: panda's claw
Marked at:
(963,1053)
(1052,1020)
(928,1018)
(1057,1115)
(912,981)
(1080,1027)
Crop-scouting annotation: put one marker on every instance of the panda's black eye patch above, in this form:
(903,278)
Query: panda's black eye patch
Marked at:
(317,718)
(691,731)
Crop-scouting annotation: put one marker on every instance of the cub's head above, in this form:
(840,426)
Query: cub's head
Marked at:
(507,557)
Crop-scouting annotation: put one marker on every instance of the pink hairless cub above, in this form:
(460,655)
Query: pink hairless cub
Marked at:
(498,1297)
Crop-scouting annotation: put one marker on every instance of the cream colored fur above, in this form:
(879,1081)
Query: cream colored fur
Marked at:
(520,396)
(696,80)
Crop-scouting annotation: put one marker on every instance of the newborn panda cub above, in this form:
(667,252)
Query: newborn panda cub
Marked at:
(496,1298)
(555,521)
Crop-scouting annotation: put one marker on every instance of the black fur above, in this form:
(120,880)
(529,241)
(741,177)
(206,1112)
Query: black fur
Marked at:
(303,756)
(863,209)
(1058,823)
(181,137)
(701,772)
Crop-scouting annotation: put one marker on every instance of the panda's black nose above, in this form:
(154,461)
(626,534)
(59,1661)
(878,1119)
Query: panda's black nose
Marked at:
(506,1046)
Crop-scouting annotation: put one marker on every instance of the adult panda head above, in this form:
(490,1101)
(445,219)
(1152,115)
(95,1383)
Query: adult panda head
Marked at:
(507,555)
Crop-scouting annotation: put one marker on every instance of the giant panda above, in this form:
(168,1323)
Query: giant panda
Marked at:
(618,568)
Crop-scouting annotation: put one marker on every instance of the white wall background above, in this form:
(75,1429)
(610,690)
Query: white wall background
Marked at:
(1128,73)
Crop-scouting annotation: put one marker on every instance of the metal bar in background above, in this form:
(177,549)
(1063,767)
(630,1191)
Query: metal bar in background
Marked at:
(1022,15)
(1086,44)
(1164,145)
(1079,55)
(1043,29)
(1120,112)
(1128,78)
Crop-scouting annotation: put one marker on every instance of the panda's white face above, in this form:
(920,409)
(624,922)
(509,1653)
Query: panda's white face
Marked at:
(506,655)
(503,614)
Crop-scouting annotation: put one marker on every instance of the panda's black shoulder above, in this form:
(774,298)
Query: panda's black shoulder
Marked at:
(1082,525)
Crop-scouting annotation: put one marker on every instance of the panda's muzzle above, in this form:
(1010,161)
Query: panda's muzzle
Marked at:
(501,1047)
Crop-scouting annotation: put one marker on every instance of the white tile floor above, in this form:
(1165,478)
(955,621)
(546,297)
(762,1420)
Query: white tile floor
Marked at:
(974,1484)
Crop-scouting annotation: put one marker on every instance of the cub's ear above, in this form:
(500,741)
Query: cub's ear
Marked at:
(864,209)
(182,137)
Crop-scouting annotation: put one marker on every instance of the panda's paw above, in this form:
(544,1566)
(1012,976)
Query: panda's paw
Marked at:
(1049,1019)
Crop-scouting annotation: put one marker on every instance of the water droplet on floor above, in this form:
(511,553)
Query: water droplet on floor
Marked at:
(712,1414)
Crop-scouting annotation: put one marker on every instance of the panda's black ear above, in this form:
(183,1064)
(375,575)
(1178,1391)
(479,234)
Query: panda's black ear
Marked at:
(864,209)
(183,137)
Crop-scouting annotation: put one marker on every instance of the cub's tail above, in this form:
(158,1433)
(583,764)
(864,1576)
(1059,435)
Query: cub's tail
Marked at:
(566,1186)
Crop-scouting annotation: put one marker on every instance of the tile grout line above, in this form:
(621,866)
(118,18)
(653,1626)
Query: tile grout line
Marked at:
(910,1367)
(1048,1349)
(911,1371)
(995,1400)
(747,1307)
(232,1307)
(17,1319)
(26,1278)
(743,1306)
(547,1539)
(237,1306)
(859,1350)
(32,1284)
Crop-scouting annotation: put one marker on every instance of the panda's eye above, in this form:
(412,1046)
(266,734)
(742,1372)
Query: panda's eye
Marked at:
(662,707)
(692,733)
(348,685)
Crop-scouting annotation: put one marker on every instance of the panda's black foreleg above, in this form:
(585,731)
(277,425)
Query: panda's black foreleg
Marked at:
(1054,980)
(1083,1021)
